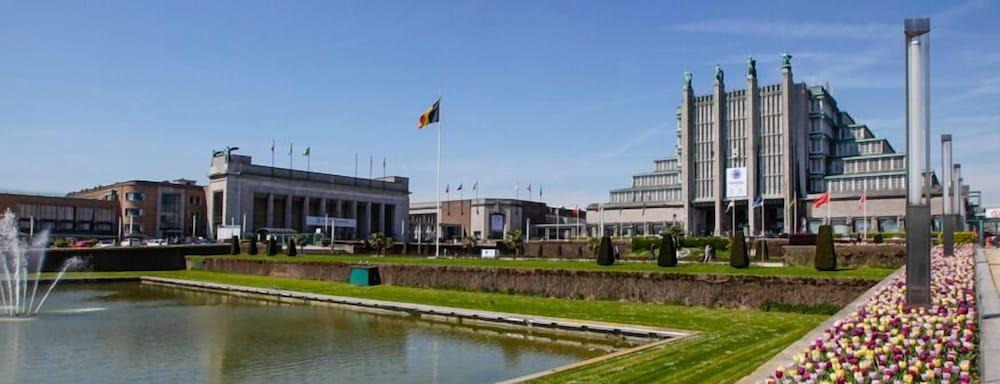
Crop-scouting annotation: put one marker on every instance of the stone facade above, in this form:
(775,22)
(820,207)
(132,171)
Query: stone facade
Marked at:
(268,198)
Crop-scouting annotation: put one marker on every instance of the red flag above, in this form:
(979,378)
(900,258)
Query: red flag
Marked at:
(822,200)
(862,200)
(576,210)
(447,188)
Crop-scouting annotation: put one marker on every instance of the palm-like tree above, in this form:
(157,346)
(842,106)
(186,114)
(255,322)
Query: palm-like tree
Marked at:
(380,242)
(515,240)
(468,242)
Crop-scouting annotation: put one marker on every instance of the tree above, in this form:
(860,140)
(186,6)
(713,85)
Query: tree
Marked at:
(738,257)
(826,254)
(272,246)
(380,242)
(668,253)
(234,245)
(291,247)
(253,245)
(605,253)
(468,242)
(514,240)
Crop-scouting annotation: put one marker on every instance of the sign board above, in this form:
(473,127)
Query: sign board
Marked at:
(992,213)
(489,253)
(736,182)
(496,222)
(226,232)
(338,222)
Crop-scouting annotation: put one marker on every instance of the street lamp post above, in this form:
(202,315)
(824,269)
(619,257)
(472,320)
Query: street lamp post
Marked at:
(947,216)
(918,212)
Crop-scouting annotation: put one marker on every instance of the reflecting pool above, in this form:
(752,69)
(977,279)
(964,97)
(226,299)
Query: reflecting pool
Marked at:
(130,332)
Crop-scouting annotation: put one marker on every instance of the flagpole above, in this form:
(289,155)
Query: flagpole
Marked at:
(865,238)
(272,157)
(437,234)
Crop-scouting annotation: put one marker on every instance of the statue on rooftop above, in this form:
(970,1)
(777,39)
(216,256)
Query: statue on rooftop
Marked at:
(751,67)
(687,79)
(227,152)
(719,75)
(786,61)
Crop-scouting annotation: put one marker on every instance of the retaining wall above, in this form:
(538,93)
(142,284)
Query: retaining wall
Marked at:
(881,255)
(682,288)
(165,258)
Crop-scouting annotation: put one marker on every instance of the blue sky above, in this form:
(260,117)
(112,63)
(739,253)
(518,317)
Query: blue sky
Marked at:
(573,95)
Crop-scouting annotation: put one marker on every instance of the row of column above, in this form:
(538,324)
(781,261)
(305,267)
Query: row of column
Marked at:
(363,224)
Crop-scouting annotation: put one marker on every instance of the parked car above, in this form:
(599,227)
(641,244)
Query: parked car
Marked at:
(84,243)
(131,243)
(105,243)
(156,242)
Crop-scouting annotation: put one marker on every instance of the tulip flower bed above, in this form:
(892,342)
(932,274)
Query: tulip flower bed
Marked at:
(883,342)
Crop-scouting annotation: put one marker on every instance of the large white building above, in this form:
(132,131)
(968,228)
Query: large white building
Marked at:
(786,144)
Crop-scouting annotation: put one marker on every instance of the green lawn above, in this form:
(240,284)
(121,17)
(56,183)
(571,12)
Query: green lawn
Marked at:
(731,343)
(862,273)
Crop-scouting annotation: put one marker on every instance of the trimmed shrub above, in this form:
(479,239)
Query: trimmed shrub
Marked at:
(878,239)
(960,238)
(826,254)
(326,241)
(605,255)
(234,245)
(738,257)
(291,247)
(253,246)
(272,247)
(60,243)
(668,254)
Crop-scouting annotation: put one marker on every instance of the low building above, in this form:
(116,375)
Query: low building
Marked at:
(264,199)
(63,216)
(155,209)
(489,219)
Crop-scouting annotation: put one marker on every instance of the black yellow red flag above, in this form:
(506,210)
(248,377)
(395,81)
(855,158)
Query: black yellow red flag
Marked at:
(430,116)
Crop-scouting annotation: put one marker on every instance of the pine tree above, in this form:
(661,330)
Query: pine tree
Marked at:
(826,254)
(253,245)
(291,247)
(234,245)
(605,254)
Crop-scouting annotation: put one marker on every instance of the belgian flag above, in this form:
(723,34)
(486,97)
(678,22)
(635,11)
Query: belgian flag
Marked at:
(431,115)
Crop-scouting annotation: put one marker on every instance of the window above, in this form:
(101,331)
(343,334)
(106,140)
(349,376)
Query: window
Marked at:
(133,212)
(135,196)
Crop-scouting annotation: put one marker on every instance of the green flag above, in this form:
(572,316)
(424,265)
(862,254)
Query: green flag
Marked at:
(306,152)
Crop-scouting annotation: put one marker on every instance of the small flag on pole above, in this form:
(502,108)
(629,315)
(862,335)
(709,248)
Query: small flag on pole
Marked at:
(758,202)
(459,187)
(643,213)
(431,115)
(732,204)
(792,203)
(862,200)
(272,145)
(306,152)
(447,188)
(475,187)
(539,192)
(825,198)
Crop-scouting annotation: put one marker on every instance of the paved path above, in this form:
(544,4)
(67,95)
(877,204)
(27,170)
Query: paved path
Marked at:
(988,292)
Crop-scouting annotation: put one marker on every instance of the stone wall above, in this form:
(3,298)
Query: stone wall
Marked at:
(112,259)
(881,255)
(742,291)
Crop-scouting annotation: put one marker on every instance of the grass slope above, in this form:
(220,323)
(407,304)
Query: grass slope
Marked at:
(731,343)
(722,269)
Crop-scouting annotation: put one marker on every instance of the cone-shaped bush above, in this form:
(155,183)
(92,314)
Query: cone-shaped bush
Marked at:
(826,254)
(272,247)
(253,245)
(291,247)
(668,253)
(605,255)
(234,245)
(762,250)
(738,252)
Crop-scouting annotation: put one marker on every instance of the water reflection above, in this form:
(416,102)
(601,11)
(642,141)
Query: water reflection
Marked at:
(157,334)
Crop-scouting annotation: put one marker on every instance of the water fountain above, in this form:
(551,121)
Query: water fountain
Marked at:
(19,286)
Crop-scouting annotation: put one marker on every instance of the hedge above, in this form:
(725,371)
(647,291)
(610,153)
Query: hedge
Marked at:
(960,238)
(719,243)
(644,243)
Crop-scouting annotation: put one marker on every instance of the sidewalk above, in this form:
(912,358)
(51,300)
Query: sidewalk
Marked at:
(988,296)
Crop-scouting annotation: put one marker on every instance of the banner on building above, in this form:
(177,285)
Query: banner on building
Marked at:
(736,182)
(992,213)
(338,222)
(496,222)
